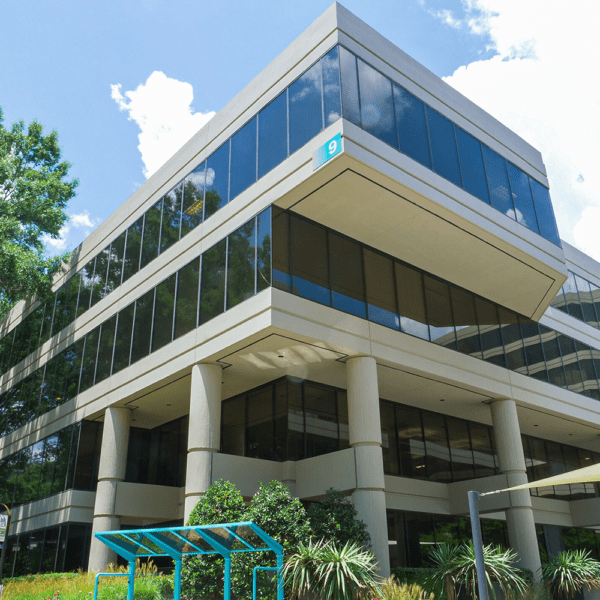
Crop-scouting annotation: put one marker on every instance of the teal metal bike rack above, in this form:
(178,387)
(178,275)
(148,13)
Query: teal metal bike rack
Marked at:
(176,542)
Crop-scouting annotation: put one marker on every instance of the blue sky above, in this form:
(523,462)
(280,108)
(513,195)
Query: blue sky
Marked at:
(102,73)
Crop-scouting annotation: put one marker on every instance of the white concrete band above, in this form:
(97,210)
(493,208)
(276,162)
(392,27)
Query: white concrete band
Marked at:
(365,438)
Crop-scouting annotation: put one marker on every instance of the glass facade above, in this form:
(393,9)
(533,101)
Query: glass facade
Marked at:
(579,298)
(319,264)
(233,270)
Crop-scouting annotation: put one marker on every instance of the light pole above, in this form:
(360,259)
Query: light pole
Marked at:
(478,545)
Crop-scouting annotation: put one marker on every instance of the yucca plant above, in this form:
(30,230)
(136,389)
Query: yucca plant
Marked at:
(456,568)
(392,590)
(325,571)
(570,571)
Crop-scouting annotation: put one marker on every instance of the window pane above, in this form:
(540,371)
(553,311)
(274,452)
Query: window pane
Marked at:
(115,267)
(350,106)
(412,128)
(388,439)
(489,332)
(572,297)
(272,134)
(460,449)
(436,447)
(282,278)
(587,301)
(241,264)
(243,158)
(467,332)
(74,354)
(377,104)
(495,167)
(123,338)
(281,422)
(347,285)
(263,250)
(140,342)
(471,165)
(309,260)
(171,217)
(544,212)
(295,421)
(439,312)
(193,199)
(186,309)
(259,432)
(306,109)
(88,364)
(443,146)
(381,293)
(217,180)
(331,86)
(100,275)
(105,349)
(131,264)
(151,239)
(162,331)
(321,420)
(410,443)
(47,321)
(521,193)
(233,426)
(483,450)
(411,301)
(212,283)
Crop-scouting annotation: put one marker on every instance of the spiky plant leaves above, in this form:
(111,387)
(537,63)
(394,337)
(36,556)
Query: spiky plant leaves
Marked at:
(570,571)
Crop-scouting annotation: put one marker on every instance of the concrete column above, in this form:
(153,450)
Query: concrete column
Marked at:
(365,438)
(204,431)
(519,517)
(113,462)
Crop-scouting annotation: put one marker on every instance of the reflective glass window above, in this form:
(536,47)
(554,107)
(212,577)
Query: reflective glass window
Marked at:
(142,327)
(347,284)
(280,422)
(544,212)
(162,330)
(495,167)
(263,250)
(388,439)
(350,104)
(74,354)
(233,426)
(272,134)
(570,363)
(439,312)
(552,357)
(489,332)
(320,413)
(151,237)
(115,265)
(56,323)
(411,301)
(259,430)
(436,448)
(513,341)
(131,263)
(410,443)
(171,217)
(471,165)
(88,363)
(241,264)
(69,309)
(217,180)
(331,86)
(443,146)
(412,127)
(47,321)
(521,194)
(465,319)
(186,307)
(460,449)
(295,421)
(282,277)
(377,104)
(305,107)
(123,338)
(193,199)
(105,349)
(483,450)
(243,158)
(212,282)
(381,292)
(88,455)
(310,262)
(572,297)
(587,301)
(100,275)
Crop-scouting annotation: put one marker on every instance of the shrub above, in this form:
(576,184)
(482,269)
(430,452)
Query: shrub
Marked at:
(570,571)
(392,589)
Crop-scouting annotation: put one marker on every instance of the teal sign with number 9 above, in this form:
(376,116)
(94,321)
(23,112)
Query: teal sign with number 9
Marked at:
(327,150)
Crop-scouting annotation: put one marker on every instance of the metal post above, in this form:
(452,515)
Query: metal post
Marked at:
(279,576)
(478,545)
(131,580)
(227,585)
(4,545)
(177,582)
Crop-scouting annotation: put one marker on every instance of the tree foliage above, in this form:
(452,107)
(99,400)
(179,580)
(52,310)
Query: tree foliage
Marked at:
(34,192)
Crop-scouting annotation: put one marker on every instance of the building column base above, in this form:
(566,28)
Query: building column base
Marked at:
(100,554)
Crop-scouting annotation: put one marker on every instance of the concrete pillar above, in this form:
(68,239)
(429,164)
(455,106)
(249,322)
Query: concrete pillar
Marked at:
(519,518)
(113,463)
(365,438)
(204,431)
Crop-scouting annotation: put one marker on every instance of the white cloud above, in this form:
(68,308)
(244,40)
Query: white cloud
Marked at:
(446,17)
(75,230)
(542,83)
(162,109)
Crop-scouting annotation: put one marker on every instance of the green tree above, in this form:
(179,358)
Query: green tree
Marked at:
(34,192)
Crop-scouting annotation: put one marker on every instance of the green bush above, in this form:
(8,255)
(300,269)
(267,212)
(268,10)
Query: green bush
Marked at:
(570,571)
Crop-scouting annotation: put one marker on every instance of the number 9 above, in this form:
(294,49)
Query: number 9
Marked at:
(332,146)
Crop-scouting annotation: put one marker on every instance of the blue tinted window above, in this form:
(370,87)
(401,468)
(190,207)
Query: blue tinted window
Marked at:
(243,159)
(331,86)
(350,106)
(263,250)
(412,129)
(544,211)
(377,104)
(217,180)
(193,199)
(521,193)
(443,146)
(347,284)
(272,134)
(212,282)
(471,165)
(171,218)
(151,238)
(306,110)
(495,167)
